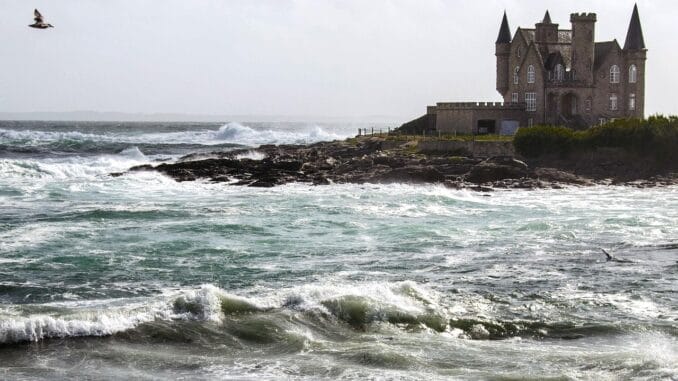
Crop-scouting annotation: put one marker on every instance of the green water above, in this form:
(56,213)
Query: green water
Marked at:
(140,277)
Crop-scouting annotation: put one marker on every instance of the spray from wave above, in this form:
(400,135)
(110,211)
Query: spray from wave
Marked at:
(237,133)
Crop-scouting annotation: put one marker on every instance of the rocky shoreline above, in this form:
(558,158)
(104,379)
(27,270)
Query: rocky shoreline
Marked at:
(362,160)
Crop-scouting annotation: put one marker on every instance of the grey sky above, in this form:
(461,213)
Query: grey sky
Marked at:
(287,57)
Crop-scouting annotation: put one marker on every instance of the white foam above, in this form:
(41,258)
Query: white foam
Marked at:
(39,327)
(133,153)
(233,132)
(252,155)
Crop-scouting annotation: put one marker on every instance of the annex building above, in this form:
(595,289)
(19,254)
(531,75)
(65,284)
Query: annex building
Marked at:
(548,75)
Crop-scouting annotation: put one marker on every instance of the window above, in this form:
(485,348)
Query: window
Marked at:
(531,101)
(530,122)
(560,72)
(614,74)
(530,74)
(632,101)
(515,75)
(514,98)
(633,74)
(587,104)
(613,102)
(602,121)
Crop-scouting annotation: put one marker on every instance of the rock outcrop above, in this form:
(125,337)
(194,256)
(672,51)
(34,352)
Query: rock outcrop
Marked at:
(363,161)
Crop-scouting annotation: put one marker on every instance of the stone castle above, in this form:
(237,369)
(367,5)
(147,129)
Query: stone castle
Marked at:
(548,75)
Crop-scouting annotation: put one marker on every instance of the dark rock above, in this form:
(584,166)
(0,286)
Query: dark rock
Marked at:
(220,179)
(144,167)
(555,175)
(288,165)
(263,184)
(487,172)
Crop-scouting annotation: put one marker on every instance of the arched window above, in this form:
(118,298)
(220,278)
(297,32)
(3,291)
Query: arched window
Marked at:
(613,102)
(614,74)
(530,74)
(632,101)
(515,75)
(560,72)
(633,74)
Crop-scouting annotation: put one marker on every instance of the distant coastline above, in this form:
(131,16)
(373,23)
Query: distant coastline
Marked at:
(113,116)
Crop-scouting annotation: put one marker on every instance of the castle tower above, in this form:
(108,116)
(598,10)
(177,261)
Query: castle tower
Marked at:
(583,37)
(546,31)
(635,55)
(503,51)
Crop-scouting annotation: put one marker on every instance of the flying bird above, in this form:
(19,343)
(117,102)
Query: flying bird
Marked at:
(612,258)
(40,21)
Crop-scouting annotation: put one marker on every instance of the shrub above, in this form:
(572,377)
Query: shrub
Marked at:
(656,136)
(539,140)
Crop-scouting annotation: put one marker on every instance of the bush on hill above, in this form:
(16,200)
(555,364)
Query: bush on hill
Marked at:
(656,136)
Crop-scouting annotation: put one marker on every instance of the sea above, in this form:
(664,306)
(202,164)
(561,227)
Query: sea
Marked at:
(139,277)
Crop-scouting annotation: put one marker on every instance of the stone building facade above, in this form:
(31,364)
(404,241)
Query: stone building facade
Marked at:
(548,75)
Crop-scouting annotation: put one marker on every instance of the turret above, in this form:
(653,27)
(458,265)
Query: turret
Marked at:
(583,37)
(635,54)
(546,31)
(503,51)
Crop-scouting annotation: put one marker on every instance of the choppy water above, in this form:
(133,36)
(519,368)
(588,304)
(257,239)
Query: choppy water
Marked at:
(140,277)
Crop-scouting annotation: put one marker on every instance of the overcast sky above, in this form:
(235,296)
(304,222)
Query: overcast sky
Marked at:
(288,57)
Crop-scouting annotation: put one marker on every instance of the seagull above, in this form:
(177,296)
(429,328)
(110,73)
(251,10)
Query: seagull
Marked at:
(40,21)
(611,258)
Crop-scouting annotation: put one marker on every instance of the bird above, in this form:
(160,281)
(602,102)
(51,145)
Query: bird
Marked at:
(611,258)
(40,21)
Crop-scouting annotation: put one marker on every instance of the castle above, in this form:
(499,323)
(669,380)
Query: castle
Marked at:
(548,75)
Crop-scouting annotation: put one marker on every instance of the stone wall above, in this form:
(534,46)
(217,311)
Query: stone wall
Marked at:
(462,118)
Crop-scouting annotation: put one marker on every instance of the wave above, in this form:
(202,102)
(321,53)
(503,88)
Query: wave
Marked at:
(71,167)
(230,135)
(330,310)
(241,134)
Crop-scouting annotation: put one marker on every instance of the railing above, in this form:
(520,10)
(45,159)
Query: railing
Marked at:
(467,105)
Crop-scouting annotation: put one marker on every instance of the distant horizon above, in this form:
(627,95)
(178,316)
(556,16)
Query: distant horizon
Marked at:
(121,116)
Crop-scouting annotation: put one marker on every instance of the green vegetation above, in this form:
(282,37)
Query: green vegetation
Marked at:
(656,136)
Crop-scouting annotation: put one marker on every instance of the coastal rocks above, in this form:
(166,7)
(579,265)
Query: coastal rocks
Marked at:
(363,161)
(411,174)
(496,169)
(557,176)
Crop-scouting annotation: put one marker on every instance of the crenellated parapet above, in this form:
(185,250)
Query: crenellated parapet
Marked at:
(590,17)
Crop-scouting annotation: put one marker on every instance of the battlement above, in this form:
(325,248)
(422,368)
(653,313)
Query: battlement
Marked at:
(476,105)
(588,17)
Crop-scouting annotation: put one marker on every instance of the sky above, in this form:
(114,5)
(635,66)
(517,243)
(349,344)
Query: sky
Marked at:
(330,58)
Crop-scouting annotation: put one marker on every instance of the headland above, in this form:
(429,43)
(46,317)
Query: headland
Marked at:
(477,165)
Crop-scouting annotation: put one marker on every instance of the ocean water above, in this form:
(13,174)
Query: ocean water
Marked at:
(140,277)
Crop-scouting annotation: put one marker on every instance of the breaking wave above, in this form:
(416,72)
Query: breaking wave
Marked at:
(228,136)
(241,134)
(330,309)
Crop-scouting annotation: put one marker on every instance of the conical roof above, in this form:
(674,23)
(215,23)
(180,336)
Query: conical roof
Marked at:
(547,18)
(504,32)
(634,37)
